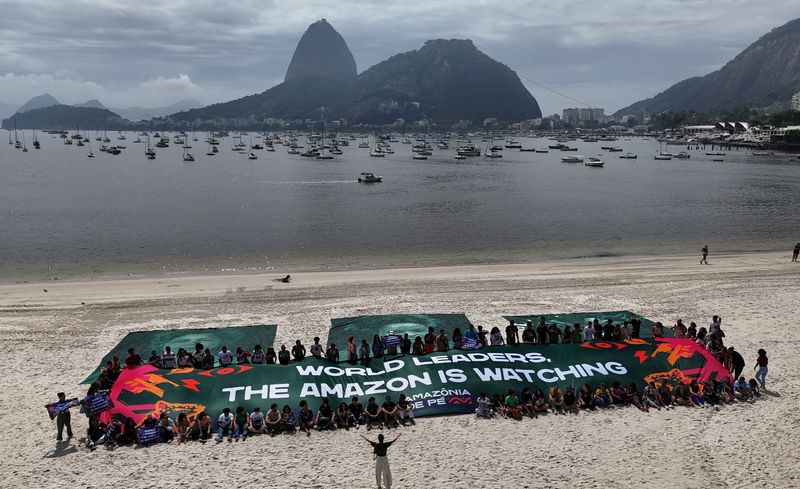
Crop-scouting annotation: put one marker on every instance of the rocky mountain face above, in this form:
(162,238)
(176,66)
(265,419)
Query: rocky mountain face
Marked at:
(321,51)
(38,102)
(766,73)
(444,80)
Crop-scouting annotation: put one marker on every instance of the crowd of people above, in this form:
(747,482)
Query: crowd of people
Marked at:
(239,423)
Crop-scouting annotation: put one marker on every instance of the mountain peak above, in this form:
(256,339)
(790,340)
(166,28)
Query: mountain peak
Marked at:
(38,102)
(321,51)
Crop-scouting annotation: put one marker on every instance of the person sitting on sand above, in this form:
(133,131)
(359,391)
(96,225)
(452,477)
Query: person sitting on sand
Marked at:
(184,360)
(373,414)
(442,341)
(556,400)
(166,428)
(418,348)
(617,394)
(526,402)
(134,359)
(585,397)
(540,404)
(754,389)
(602,397)
(343,416)
(511,403)
(184,426)
(225,357)
(197,356)
(651,397)
(306,418)
(681,395)
(741,389)
(256,424)
(356,412)
(665,395)
(498,405)
(286,279)
(633,396)
(390,412)
(226,425)
(332,354)
(405,410)
(377,346)
(272,420)
(288,424)
(128,434)
(201,427)
(577,334)
(696,393)
(242,356)
(96,433)
(608,331)
(657,330)
(483,407)
(324,419)
(283,356)
(258,355)
(625,331)
(316,348)
(571,400)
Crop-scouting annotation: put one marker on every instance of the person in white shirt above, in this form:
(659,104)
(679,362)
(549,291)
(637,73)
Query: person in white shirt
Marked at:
(168,358)
(316,348)
(226,425)
(225,357)
(255,424)
(258,355)
(588,332)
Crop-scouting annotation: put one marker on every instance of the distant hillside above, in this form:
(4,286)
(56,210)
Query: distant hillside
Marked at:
(766,73)
(143,113)
(66,116)
(38,102)
(93,103)
(445,80)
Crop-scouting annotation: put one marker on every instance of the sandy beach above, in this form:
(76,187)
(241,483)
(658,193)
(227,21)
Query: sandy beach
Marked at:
(55,338)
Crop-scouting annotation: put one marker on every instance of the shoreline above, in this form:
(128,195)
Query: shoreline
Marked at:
(182,284)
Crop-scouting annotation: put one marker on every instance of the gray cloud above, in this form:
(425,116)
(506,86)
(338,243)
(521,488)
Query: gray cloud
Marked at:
(150,52)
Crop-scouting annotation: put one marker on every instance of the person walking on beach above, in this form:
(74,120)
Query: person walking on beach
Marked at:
(761,365)
(796,252)
(705,255)
(381,462)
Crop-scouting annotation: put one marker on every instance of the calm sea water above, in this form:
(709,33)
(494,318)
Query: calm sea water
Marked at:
(62,214)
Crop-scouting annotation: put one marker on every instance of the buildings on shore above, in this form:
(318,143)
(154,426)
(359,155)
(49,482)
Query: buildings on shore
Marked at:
(583,117)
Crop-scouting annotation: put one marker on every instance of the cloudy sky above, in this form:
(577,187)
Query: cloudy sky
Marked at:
(151,53)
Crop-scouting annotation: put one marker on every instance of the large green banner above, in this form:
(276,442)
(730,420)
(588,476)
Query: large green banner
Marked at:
(143,342)
(441,383)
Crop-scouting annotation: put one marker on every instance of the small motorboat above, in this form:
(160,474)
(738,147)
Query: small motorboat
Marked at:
(594,163)
(572,159)
(368,177)
(419,156)
(662,157)
(683,155)
(629,156)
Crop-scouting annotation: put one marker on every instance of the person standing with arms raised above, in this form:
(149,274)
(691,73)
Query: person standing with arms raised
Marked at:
(381,461)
